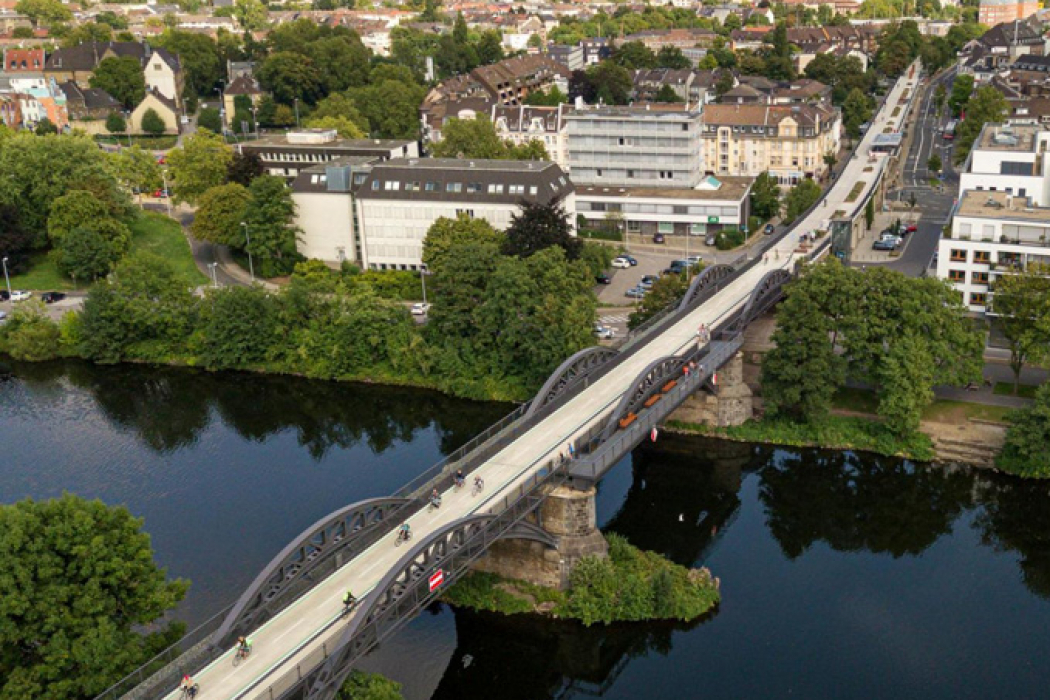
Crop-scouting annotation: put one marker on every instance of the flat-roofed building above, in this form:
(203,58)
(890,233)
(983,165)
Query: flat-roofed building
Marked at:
(1012,159)
(326,209)
(287,154)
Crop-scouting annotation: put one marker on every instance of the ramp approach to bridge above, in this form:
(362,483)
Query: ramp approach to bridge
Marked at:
(602,403)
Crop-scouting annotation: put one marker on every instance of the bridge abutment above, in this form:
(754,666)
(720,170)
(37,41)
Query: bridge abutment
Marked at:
(731,404)
(570,516)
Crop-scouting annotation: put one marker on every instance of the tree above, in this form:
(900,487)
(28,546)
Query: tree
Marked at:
(340,106)
(445,233)
(86,33)
(44,127)
(220,213)
(29,335)
(934,163)
(987,106)
(1022,307)
(345,60)
(533,149)
(73,209)
(391,107)
(115,123)
(611,83)
(345,127)
(539,226)
(856,110)
(198,165)
(210,119)
(152,124)
(469,138)
(244,168)
(250,14)
(804,195)
(765,197)
(71,631)
(666,93)
(199,57)
(667,290)
(85,254)
(672,57)
(724,84)
(122,78)
(490,47)
(371,686)
(1026,451)
(549,98)
(270,216)
(45,12)
(138,169)
(962,88)
(240,327)
(290,76)
(869,213)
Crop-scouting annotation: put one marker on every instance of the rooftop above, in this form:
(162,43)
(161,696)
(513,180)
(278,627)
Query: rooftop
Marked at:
(1013,137)
(999,205)
(282,140)
(732,189)
(464,164)
(660,110)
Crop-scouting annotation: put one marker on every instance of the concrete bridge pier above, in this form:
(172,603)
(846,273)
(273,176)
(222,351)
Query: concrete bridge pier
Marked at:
(569,515)
(730,404)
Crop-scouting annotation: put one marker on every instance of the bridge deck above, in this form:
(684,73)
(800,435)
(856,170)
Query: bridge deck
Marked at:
(298,632)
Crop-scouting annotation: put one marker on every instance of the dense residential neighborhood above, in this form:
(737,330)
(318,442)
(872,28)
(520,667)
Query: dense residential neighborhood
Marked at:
(781,267)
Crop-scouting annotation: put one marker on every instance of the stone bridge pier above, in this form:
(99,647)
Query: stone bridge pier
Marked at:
(731,402)
(570,516)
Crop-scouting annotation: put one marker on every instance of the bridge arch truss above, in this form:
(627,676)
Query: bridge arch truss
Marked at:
(569,374)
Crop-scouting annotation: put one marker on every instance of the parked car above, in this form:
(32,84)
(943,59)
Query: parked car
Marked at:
(678,267)
(911,228)
(648,281)
(160,194)
(693,260)
(420,308)
(603,279)
(883,244)
(710,239)
(4,295)
(635,292)
(769,229)
(658,238)
(3,316)
(892,237)
(604,332)
(20,295)
(631,260)
(621,262)
(52,297)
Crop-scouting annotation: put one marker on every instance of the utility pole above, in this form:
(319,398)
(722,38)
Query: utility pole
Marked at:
(248,249)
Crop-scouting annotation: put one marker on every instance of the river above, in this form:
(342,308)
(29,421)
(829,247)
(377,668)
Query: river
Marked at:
(843,576)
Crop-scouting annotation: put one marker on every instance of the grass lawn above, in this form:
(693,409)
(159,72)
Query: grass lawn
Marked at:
(865,401)
(1024,391)
(149,231)
(163,236)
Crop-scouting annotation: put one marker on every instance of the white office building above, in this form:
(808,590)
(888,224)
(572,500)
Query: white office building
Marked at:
(1012,159)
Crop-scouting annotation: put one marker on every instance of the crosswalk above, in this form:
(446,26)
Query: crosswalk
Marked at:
(613,320)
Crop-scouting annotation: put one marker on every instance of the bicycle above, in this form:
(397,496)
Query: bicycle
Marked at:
(191,692)
(349,607)
(403,536)
(241,654)
(478,487)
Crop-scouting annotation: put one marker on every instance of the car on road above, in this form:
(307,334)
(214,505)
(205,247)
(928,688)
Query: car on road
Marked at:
(604,332)
(693,260)
(20,295)
(884,244)
(420,308)
(52,297)
(658,238)
(603,279)
(769,229)
(635,292)
(710,239)
(160,194)
(911,228)
(624,261)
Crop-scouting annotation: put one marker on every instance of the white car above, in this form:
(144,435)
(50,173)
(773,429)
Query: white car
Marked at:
(621,262)
(420,309)
(20,295)
(3,316)
(604,332)
(694,260)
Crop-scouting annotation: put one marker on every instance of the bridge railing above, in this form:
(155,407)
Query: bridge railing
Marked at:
(162,669)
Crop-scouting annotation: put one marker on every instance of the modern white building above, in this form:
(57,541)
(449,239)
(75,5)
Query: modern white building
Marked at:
(521,124)
(1012,159)
(376,214)
(288,154)
(992,234)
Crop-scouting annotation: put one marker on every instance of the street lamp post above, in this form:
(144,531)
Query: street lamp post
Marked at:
(296,112)
(423,281)
(167,195)
(214,279)
(7,279)
(248,249)
(222,101)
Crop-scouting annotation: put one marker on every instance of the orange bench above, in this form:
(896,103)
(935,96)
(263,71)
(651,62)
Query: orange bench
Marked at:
(624,422)
(669,385)
(653,399)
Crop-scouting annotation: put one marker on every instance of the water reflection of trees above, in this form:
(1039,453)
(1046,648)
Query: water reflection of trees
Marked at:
(858,502)
(1016,517)
(168,408)
(531,657)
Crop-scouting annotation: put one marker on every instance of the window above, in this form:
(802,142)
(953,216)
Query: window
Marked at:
(681,210)
(981,256)
(965,229)
(474,188)
(375,184)
(393,184)
(496,189)
(454,187)
(599,173)
(519,189)
(469,213)
(634,226)
(630,173)
(957,275)
(980,278)
(431,187)
(532,189)
(958,255)
(665,227)
(411,187)
(978,299)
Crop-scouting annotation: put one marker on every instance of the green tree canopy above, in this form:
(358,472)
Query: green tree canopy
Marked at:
(672,57)
(115,123)
(345,126)
(291,76)
(765,196)
(198,165)
(86,254)
(610,82)
(199,57)
(71,631)
(802,196)
(122,78)
(46,12)
(219,215)
(1027,448)
(210,119)
(270,216)
(152,124)
(446,233)
(469,138)
(633,55)
(987,106)
(1022,308)
(540,226)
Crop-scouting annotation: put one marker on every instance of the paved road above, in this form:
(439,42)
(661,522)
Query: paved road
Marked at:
(204,253)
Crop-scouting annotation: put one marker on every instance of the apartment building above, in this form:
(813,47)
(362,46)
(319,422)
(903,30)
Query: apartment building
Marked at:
(376,213)
(1001,222)
(521,124)
(288,154)
(992,12)
(655,145)
(788,141)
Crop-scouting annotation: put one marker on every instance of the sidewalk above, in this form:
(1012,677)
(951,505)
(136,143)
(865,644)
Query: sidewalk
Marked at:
(228,265)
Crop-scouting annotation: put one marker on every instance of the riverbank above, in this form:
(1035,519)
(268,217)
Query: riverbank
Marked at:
(631,585)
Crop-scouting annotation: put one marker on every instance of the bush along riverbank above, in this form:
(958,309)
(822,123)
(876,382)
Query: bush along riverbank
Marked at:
(631,585)
(832,432)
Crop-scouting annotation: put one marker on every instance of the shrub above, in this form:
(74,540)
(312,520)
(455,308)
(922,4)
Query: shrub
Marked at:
(29,334)
(729,238)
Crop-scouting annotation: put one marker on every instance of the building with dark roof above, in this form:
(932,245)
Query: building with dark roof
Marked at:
(85,104)
(78,63)
(401,198)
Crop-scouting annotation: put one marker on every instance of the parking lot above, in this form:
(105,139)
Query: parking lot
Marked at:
(54,311)
(864,253)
